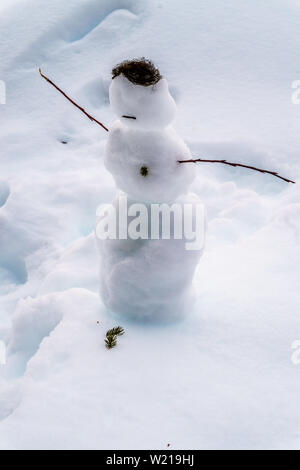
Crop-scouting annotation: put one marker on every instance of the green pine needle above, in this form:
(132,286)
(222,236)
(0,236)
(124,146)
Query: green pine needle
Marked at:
(111,336)
(110,342)
(116,331)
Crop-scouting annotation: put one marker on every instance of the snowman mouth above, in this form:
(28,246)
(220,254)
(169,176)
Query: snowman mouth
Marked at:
(129,117)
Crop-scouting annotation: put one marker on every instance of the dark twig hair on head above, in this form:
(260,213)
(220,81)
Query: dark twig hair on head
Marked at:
(138,71)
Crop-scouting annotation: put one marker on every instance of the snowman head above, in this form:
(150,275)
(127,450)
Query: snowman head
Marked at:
(140,96)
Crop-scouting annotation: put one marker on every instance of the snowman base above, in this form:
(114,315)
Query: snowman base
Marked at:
(149,280)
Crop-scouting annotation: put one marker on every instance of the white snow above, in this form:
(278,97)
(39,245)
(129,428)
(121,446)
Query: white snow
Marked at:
(223,378)
(152,107)
(129,150)
(147,279)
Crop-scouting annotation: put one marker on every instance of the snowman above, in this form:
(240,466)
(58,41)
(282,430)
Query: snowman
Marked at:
(144,277)
(148,275)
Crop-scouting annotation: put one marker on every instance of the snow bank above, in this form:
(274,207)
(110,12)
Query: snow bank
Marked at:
(223,378)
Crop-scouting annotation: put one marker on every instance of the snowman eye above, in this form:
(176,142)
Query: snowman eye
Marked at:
(129,117)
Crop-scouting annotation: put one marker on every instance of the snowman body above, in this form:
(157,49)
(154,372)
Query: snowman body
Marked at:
(146,278)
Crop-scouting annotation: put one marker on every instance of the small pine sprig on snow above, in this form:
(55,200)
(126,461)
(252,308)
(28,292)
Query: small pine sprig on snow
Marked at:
(111,336)
(110,341)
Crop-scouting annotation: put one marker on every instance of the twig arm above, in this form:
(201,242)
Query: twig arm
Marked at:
(237,165)
(73,102)
(179,161)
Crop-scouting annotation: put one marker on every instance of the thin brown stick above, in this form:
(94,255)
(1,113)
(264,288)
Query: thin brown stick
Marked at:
(179,161)
(73,102)
(238,165)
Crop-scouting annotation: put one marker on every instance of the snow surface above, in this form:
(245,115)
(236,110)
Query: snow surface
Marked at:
(129,150)
(224,377)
